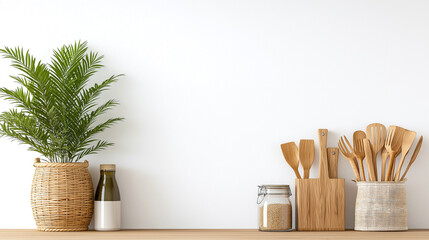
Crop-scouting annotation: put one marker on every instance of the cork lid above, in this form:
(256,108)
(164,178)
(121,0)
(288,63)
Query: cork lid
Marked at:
(108,167)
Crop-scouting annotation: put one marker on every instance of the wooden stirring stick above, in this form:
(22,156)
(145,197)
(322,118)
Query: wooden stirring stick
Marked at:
(369,161)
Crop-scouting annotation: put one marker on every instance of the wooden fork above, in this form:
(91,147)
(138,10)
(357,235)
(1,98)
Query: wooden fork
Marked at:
(393,146)
(359,150)
(384,157)
(349,155)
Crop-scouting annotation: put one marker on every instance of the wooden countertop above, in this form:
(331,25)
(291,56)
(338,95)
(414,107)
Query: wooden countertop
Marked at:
(210,234)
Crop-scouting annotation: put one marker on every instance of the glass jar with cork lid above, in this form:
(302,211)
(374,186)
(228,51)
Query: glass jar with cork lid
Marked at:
(274,208)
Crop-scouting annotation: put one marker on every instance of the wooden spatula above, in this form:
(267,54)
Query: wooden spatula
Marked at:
(393,145)
(306,155)
(407,141)
(332,154)
(290,152)
(376,133)
(413,158)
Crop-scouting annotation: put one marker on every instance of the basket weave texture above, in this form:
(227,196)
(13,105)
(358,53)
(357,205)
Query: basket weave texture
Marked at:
(62,196)
(381,206)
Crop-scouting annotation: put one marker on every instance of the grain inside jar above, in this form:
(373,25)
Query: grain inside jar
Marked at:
(275,217)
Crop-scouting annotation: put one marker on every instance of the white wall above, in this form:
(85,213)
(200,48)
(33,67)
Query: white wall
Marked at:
(212,89)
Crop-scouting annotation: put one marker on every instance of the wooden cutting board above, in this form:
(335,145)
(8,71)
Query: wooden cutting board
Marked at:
(320,202)
(317,210)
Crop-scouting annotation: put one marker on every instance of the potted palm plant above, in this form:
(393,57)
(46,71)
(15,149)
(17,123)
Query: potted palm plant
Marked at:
(56,114)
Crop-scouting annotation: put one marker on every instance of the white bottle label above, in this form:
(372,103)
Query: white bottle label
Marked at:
(107,215)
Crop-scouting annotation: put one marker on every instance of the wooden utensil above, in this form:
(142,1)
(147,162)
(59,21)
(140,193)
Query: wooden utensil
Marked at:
(290,152)
(359,150)
(348,154)
(376,133)
(323,159)
(323,170)
(407,141)
(369,161)
(384,157)
(388,157)
(332,154)
(306,155)
(393,145)
(392,173)
(413,158)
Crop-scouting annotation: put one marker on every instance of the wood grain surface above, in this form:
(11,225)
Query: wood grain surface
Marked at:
(332,154)
(320,204)
(209,234)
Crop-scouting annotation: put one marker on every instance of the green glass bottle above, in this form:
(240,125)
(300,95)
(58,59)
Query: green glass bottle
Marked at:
(107,204)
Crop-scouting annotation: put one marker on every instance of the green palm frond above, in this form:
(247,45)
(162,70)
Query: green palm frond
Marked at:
(55,111)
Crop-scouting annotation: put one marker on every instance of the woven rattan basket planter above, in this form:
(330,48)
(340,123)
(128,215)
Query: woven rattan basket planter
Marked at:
(62,196)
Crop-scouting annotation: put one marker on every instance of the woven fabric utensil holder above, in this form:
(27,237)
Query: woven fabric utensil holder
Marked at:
(381,206)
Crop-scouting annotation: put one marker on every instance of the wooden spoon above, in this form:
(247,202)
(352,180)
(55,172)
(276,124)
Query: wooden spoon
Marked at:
(393,145)
(407,141)
(306,155)
(376,133)
(413,158)
(290,152)
(347,152)
(384,157)
(359,149)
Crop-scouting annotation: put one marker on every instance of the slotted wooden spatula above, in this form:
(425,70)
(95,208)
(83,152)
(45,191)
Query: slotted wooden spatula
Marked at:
(290,152)
(306,155)
(376,133)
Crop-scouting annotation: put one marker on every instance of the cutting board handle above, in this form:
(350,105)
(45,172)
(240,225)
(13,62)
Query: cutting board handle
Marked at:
(332,154)
(323,164)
